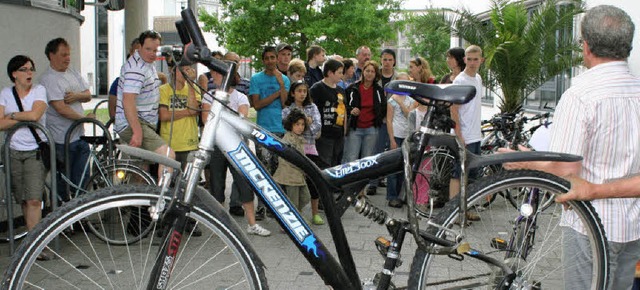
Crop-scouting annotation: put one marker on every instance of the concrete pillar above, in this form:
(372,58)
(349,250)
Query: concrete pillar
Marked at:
(136,19)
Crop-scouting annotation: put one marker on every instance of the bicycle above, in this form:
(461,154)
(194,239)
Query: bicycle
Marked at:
(178,263)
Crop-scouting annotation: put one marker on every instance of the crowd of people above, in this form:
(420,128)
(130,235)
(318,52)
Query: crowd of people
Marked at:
(335,110)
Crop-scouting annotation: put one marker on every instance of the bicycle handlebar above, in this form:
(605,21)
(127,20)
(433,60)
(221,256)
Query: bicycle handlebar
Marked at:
(197,50)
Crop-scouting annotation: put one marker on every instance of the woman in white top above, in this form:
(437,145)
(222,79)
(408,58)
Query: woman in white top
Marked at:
(27,170)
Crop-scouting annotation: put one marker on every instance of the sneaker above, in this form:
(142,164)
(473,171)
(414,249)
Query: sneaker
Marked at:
(317,220)
(260,213)
(236,211)
(258,230)
(395,203)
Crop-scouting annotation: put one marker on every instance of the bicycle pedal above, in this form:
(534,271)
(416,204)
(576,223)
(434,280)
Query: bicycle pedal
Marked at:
(456,256)
(499,244)
(382,244)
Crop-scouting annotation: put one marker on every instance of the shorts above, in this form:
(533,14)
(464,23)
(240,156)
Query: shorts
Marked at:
(151,141)
(27,176)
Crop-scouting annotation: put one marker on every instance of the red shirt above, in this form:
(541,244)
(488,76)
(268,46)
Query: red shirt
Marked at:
(367,115)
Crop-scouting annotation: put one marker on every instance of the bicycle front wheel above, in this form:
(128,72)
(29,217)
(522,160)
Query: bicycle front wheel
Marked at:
(528,239)
(221,257)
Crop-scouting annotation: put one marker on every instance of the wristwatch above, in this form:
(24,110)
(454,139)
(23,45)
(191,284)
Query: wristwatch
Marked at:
(13,116)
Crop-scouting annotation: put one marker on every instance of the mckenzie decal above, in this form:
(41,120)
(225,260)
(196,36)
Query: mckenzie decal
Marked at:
(267,140)
(351,167)
(274,197)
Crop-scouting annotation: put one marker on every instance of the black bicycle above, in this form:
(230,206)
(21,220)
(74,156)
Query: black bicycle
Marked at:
(449,254)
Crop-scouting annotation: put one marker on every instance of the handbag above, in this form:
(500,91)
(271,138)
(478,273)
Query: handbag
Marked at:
(44,151)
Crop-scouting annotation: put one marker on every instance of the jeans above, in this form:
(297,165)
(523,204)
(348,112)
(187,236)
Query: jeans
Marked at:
(218,175)
(78,155)
(578,266)
(330,150)
(360,143)
(394,181)
(382,144)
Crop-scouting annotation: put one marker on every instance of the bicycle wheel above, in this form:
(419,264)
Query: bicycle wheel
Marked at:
(222,257)
(106,224)
(432,178)
(534,252)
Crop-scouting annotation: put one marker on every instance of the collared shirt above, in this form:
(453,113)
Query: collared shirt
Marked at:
(599,119)
(140,78)
(57,85)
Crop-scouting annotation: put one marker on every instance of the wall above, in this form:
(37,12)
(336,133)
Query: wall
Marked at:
(26,30)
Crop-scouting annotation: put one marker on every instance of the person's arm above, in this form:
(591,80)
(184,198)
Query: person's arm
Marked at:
(206,107)
(165,114)
(455,116)
(392,139)
(316,123)
(203,81)
(584,190)
(131,113)
(280,94)
(37,110)
(72,97)
(62,107)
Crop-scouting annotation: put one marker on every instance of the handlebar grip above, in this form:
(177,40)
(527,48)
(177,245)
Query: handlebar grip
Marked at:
(192,27)
(183,32)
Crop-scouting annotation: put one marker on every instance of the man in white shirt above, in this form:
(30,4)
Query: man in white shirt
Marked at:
(597,118)
(467,116)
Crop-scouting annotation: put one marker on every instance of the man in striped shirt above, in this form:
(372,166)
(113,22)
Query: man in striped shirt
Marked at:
(138,98)
(597,118)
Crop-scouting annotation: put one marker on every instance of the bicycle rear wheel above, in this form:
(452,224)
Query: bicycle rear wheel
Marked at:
(222,257)
(106,224)
(534,253)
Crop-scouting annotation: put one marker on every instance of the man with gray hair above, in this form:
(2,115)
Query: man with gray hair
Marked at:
(597,118)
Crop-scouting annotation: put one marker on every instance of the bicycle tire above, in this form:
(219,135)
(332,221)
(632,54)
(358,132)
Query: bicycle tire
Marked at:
(221,257)
(106,225)
(434,271)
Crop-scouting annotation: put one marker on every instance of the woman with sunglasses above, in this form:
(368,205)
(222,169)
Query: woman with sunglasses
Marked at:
(420,71)
(27,170)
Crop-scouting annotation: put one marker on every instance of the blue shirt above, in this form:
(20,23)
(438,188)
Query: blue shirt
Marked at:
(270,116)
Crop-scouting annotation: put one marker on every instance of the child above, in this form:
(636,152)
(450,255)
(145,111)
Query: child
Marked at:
(291,178)
(300,99)
(398,108)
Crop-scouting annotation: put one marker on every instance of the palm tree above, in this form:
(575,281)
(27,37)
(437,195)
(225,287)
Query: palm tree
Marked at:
(523,49)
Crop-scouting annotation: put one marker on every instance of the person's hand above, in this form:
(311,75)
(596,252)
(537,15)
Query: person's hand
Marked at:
(580,190)
(91,115)
(309,121)
(136,140)
(278,76)
(393,144)
(69,97)
(192,104)
(355,112)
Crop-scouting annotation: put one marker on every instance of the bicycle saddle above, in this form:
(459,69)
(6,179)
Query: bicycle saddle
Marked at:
(422,93)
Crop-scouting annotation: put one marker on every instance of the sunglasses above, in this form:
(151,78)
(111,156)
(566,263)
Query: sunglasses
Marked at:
(26,69)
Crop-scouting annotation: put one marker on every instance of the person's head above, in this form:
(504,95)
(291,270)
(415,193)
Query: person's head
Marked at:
(269,58)
(420,70)
(232,56)
(370,72)
(473,59)
(135,45)
(284,52)
(455,58)
(388,58)
(607,33)
(403,76)
(316,53)
(149,43)
(58,53)
(20,69)
(349,68)
(296,70)
(295,122)
(363,54)
(217,54)
(333,71)
(178,77)
(298,93)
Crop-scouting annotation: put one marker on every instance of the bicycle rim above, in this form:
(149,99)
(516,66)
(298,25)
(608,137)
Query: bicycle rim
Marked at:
(534,253)
(106,224)
(221,257)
